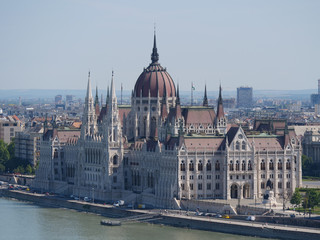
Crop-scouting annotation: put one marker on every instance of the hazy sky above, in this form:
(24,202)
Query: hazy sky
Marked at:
(272,44)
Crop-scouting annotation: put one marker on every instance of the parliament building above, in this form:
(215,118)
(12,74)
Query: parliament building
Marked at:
(158,152)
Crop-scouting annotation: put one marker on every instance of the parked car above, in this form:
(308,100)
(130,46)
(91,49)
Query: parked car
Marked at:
(251,218)
(86,199)
(225,216)
(118,203)
(218,216)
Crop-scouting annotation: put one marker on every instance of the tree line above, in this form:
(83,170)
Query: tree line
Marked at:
(10,163)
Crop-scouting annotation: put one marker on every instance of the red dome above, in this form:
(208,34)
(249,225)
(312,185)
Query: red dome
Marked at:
(154,79)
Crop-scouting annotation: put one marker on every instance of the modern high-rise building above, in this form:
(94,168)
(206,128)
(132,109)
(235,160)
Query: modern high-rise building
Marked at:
(244,97)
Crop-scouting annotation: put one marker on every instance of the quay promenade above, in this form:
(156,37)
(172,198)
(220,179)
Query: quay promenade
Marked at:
(175,218)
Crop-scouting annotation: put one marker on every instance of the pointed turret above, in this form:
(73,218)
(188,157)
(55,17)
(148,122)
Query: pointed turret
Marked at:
(221,120)
(220,111)
(178,114)
(205,98)
(89,91)
(96,103)
(154,55)
(89,116)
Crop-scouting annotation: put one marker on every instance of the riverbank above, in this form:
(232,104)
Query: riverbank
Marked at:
(175,218)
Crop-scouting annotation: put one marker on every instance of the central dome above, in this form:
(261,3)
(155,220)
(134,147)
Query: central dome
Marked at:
(154,79)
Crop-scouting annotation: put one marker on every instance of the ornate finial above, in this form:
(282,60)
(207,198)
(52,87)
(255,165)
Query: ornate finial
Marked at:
(154,55)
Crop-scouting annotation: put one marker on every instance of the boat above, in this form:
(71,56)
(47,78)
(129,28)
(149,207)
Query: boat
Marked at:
(110,223)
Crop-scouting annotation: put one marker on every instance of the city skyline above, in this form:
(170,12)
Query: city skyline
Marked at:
(52,45)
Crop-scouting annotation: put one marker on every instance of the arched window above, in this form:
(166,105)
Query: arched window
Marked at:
(115,160)
(231,166)
(191,166)
(182,166)
(249,166)
(237,166)
(243,145)
(237,146)
(271,165)
(279,164)
(288,165)
(208,166)
(200,166)
(262,165)
(55,154)
(243,166)
(217,166)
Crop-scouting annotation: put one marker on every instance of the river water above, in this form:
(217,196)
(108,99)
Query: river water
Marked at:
(23,220)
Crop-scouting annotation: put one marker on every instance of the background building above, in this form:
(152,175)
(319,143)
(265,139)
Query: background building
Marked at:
(9,125)
(244,97)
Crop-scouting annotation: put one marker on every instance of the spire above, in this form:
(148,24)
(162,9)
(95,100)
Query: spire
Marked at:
(164,111)
(112,90)
(107,100)
(89,92)
(205,98)
(96,101)
(178,95)
(154,55)
(220,111)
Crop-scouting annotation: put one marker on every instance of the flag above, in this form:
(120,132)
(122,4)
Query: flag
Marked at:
(193,87)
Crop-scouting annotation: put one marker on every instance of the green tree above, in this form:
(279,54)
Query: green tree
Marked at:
(4,153)
(11,148)
(29,169)
(19,169)
(313,198)
(296,198)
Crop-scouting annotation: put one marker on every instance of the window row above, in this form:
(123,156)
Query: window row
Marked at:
(200,186)
(200,167)
(272,167)
(236,166)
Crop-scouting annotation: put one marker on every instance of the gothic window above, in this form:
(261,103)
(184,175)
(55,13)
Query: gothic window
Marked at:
(279,165)
(191,186)
(55,154)
(243,166)
(288,165)
(217,166)
(182,186)
(237,166)
(115,160)
(262,185)
(262,165)
(249,166)
(208,166)
(271,165)
(279,185)
(208,186)
(237,146)
(182,166)
(288,184)
(217,186)
(243,145)
(191,166)
(199,186)
(231,166)
(200,166)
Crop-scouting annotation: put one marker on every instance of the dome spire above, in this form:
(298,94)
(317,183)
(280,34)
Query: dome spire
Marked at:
(205,98)
(154,55)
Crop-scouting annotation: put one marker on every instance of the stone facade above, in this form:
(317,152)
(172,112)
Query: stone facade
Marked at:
(158,152)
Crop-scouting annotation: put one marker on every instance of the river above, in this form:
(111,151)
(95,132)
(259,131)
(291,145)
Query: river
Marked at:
(23,220)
